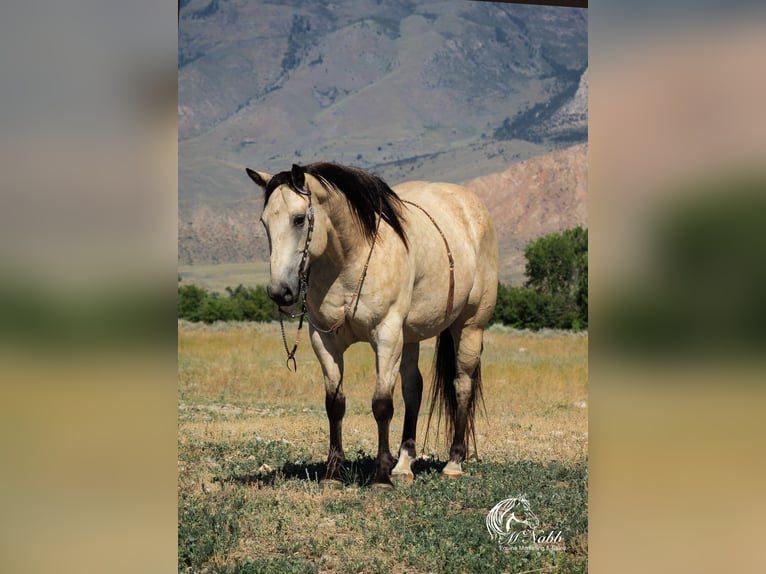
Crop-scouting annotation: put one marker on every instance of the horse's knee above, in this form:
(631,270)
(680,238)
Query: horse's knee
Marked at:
(335,405)
(383,409)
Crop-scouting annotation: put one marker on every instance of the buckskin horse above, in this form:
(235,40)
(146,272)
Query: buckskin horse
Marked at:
(391,267)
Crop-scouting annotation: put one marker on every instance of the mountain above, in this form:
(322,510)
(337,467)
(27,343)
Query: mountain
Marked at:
(225,232)
(446,90)
(532,198)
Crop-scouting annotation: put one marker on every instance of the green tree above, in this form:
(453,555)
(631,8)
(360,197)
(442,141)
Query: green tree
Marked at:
(239,304)
(520,308)
(557,266)
(557,262)
(190,301)
(254,303)
(555,294)
(581,293)
(217,308)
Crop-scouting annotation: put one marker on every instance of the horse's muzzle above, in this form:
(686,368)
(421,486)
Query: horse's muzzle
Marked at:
(282,295)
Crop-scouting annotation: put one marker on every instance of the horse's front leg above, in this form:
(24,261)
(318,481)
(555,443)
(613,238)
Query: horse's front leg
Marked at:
(412,392)
(329,350)
(387,343)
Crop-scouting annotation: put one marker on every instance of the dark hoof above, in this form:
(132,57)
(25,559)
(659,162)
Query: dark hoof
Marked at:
(330,484)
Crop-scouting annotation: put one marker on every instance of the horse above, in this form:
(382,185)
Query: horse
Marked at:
(390,267)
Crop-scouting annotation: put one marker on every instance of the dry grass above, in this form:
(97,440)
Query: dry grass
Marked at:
(218,276)
(233,384)
(241,412)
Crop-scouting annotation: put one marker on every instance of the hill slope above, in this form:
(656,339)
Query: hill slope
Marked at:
(533,198)
(529,199)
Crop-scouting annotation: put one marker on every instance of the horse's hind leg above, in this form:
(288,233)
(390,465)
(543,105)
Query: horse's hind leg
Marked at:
(412,392)
(468,343)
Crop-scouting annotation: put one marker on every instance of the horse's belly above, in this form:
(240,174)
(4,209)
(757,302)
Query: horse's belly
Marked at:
(424,323)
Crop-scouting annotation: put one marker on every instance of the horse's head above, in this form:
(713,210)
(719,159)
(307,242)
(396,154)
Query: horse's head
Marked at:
(295,236)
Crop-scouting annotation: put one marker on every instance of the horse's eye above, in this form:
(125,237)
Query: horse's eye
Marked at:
(299,220)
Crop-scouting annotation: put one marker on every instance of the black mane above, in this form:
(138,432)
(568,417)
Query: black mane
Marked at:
(367,194)
(281,178)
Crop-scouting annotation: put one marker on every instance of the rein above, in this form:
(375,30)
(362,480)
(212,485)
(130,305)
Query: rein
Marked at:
(354,297)
(451,292)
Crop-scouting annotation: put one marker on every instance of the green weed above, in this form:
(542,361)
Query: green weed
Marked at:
(208,527)
(275,565)
(434,524)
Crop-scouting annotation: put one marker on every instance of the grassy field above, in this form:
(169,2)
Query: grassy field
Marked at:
(216,277)
(253,438)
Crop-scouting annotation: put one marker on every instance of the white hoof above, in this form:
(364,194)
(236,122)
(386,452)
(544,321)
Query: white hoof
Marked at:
(452,470)
(403,468)
(402,477)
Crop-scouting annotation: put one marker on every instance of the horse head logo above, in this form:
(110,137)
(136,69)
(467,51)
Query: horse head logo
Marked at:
(510,520)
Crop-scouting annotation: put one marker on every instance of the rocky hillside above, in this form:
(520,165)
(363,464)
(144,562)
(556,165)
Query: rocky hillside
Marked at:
(226,232)
(532,198)
(529,199)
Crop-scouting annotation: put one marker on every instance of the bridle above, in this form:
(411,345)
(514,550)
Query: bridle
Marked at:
(303,284)
(303,279)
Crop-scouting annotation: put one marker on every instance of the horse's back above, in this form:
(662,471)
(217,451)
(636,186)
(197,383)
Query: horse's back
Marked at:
(455,207)
(464,223)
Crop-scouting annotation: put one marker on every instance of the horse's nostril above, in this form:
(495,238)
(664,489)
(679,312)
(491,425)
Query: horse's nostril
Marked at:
(282,295)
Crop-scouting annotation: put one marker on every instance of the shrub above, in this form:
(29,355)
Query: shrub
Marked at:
(555,295)
(240,304)
(190,300)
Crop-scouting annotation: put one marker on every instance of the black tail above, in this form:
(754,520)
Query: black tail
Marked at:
(443,391)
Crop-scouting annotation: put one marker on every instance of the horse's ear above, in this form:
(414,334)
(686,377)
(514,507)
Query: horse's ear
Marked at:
(299,178)
(260,178)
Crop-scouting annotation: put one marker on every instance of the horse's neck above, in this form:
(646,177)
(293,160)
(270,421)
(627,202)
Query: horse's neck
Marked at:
(347,242)
(346,252)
